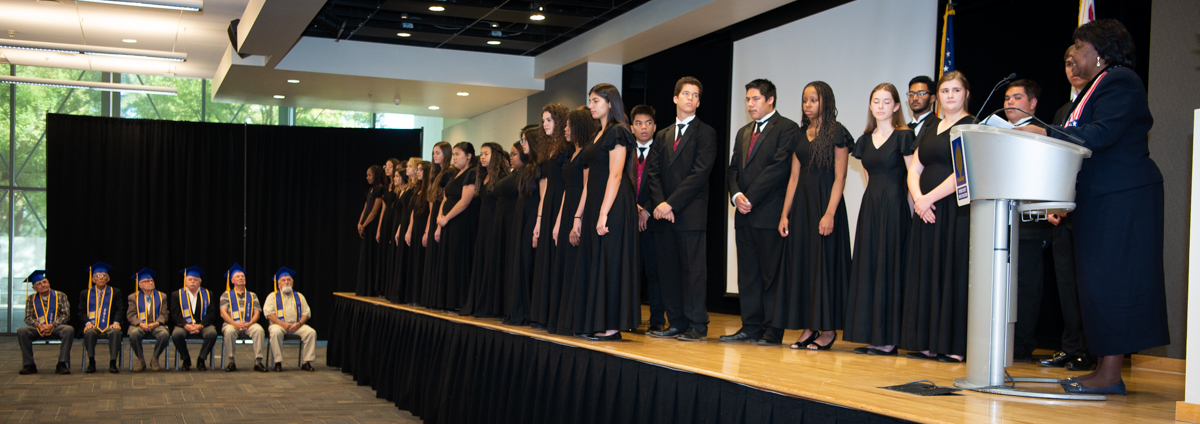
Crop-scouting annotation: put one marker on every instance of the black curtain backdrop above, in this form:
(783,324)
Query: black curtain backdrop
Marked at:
(167,195)
(448,372)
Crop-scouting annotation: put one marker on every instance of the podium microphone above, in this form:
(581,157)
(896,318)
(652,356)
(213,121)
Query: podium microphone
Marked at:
(1006,80)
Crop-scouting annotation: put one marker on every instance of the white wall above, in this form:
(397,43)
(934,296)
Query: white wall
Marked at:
(1192,384)
(602,72)
(431,133)
(501,125)
(853,47)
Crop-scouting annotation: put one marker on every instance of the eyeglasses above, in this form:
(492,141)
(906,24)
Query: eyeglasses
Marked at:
(921,93)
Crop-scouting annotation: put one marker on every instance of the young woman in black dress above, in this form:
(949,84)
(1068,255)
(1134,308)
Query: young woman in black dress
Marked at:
(434,283)
(404,215)
(550,188)
(485,285)
(418,207)
(457,225)
(367,224)
(935,286)
(874,299)
(579,130)
(815,227)
(609,214)
(387,229)
(519,274)
(507,193)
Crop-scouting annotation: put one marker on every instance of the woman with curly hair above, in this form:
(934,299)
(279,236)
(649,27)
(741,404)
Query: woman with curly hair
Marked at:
(485,286)
(555,153)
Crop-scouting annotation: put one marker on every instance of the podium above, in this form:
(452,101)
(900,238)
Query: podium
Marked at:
(1006,176)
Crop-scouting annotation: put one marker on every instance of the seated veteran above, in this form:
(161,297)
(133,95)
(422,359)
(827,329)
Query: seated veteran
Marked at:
(101,310)
(288,312)
(194,316)
(240,310)
(147,313)
(47,313)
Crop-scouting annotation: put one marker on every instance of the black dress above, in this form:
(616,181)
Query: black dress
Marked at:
(419,208)
(385,265)
(935,286)
(564,274)
(545,294)
(398,283)
(875,296)
(434,289)
(611,291)
(368,254)
(484,286)
(457,243)
(816,268)
(518,268)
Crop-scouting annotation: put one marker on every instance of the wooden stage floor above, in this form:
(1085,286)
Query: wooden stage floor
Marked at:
(841,377)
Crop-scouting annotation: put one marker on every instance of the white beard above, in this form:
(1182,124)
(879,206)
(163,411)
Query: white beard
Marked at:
(286,290)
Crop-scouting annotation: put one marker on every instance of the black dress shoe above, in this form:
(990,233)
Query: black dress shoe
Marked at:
(187,366)
(307,367)
(654,327)
(1058,359)
(1083,362)
(62,368)
(614,337)
(200,365)
(669,333)
(278,367)
(738,337)
(768,340)
(692,335)
(28,369)
(258,366)
(231,367)
(91,368)
(112,367)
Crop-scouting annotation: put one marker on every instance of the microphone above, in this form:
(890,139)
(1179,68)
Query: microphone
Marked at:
(1048,127)
(1006,80)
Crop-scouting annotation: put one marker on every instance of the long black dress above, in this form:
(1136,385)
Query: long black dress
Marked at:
(611,291)
(368,253)
(434,290)
(545,292)
(398,284)
(419,208)
(935,286)
(565,260)
(816,268)
(518,269)
(458,241)
(875,297)
(483,290)
(385,267)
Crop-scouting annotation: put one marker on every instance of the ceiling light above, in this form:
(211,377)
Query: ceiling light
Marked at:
(463,94)
(128,41)
(494,42)
(92,50)
(403,34)
(537,17)
(185,5)
(279,96)
(436,8)
(434,108)
(293,81)
(495,25)
(90,85)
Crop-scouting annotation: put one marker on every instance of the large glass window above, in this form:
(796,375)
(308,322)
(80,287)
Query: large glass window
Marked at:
(313,117)
(185,106)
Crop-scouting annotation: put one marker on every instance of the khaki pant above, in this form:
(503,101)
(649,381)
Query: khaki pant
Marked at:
(308,340)
(231,334)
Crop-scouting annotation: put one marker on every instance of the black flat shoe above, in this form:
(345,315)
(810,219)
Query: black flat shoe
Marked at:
(864,350)
(1057,360)
(950,359)
(1082,363)
(669,333)
(881,352)
(28,369)
(1067,381)
(919,355)
(614,337)
(803,343)
(738,337)
(1078,387)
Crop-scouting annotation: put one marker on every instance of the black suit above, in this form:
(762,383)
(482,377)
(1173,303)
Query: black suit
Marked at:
(1034,239)
(678,176)
(648,255)
(116,315)
(761,175)
(930,120)
(209,319)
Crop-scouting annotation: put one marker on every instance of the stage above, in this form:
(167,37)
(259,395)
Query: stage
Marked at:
(447,368)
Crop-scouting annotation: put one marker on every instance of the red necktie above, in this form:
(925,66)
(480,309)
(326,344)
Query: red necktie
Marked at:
(678,136)
(753,139)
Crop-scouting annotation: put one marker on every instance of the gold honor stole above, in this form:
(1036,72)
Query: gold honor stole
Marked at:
(103,300)
(279,305)
(185,306)
(46,309)
(154,306)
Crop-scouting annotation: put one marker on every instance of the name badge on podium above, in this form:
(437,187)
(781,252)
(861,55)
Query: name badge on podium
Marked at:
(962,189)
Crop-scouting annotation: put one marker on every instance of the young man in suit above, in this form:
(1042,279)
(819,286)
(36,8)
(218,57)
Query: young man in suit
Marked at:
(922,102)
(757,181)
(680,162)
(643,130)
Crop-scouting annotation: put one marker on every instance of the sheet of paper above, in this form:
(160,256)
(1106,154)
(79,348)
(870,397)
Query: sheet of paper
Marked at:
(997,121)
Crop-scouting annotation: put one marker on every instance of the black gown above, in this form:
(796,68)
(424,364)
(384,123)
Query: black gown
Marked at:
(368,254)
(419,208)
(545,293)
(875,296)
(611,291)
(434,290)
(386,262)
(935,286)
(565,269)
(518,268)
(816,268)
(484,285)
(398,282)
(457,243)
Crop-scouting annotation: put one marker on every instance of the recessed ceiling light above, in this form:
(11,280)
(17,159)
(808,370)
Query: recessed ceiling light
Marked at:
(279,96)
(537,17)
(494,42)
(434,108)
(463,94)
(293,81)
(128,40)
(403,34)
(495,25)
(436,8)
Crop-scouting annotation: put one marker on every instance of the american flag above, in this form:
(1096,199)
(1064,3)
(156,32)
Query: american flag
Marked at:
(1087,11)
(948,40)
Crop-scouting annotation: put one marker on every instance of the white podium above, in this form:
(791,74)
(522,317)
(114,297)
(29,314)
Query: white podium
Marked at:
(1006,176)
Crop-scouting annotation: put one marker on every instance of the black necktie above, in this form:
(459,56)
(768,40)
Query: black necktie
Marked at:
(641,154)
(913,124)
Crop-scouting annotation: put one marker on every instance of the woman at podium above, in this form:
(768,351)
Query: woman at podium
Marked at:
(1119,208)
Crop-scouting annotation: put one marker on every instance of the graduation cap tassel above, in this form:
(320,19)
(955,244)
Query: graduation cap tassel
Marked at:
(89,278)
(226,280)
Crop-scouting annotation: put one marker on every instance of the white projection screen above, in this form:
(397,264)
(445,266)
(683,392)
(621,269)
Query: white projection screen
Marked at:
(853,47)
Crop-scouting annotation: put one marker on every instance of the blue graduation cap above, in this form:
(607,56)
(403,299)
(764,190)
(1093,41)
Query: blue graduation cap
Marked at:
(234,270)
(284,272)
(99,267)
(192,271)
(144,274)
(36,276)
